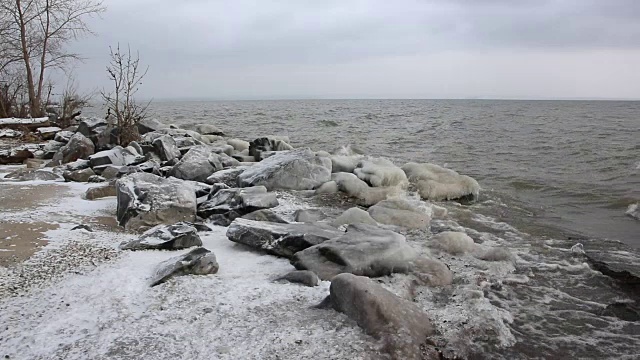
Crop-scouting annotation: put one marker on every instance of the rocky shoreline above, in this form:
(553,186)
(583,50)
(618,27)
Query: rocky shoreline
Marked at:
(364,225)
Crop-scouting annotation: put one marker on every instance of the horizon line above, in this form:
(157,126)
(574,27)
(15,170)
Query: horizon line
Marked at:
(384,98)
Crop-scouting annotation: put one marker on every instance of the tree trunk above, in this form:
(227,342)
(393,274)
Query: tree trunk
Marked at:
(43,57)
(33,99)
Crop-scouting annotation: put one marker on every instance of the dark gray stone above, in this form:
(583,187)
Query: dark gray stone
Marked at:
(227,204)
(403,326)
(78,147)
(264,215)
(78,175)
(228,177)
(166,147)
(266,144)
(117,156)
(63,136)
(165,237)
(277,238)
(199,261)
(146,200)
(197,164)
(50,148)
(363,250)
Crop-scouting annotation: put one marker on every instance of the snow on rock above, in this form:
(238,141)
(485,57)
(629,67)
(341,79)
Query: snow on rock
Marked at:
(197,164)
(293,170)
(634,211)
(363,250)
(165,237)
(225,205)
(278,238)
(354,216)
(20,121)
(78,147)
(146,200)
(437,183)
(403,325)
(198,261)
(358,189)
(10,133)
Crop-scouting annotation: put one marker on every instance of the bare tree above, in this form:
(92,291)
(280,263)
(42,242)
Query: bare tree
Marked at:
(35,33)
(71,103)
(126,75)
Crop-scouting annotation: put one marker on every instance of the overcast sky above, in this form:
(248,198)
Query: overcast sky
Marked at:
(373,49)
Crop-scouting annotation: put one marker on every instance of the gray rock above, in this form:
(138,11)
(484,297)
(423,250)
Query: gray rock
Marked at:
(279,239)
(354,216)
(165,237)
(403,326)
(110,171)
(77,165)
(304,277)
(32,175)
(15,156)
(330,187)
(100,192)
(199,261)
(50,148)
(358,189)
(431,272)
(197,164)
(78,175)
(48,133)
(147,125)
(63,136)
(225,205)
(96,179)
(309,215)
(78,147)
(239,145)
(166,148)
(117,156)
(363,250)
(264,215)
(294,170)
(146,200)
(228,177)
(90,127)
(399,212)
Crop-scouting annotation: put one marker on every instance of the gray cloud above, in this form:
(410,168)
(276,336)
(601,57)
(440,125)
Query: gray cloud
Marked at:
(259,49)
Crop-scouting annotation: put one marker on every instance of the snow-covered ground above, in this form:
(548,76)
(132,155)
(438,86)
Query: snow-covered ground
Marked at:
(81,298)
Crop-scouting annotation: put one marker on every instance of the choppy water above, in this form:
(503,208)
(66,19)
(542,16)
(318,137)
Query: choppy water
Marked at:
(553,173)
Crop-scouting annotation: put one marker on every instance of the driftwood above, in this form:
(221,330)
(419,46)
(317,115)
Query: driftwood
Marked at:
(19,124)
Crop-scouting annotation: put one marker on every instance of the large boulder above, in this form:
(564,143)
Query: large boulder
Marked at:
(199,261)
(147,125)
(400,212)
(78,147)
(166,147)
(400,324)
(91,127)
(225,205)
(146,200)
(103,135)
(118,156)
(63,136)
(363,250)
(228,177)
(267,145)
(277,238)
(165,237)
(381,172)
(197,164)
(453,242)
(293,170)
(32,174)
(436,183)
(50,148)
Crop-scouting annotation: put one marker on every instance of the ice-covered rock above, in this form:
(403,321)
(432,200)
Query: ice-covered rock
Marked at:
(78,147)
(494,254)
(228,177)
(304,277)
(147,125)
(400,324)
(166,147)
(345,163)
(309,215)
(277,238)
(264,215)
(77,165)
(203,129)
(146,200)
(197,164)
(225,205)
(330,187)
(165,237)
(363,250)
(399,212)
(239,145)
(358,189)
(33,174)
(354,215)
(294,170)
(267,144)
(453,242)
(78,175)
(199,261)
(380,172)
(432,272)
(634,211)
(117,156)
(10,133)
(438,183)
